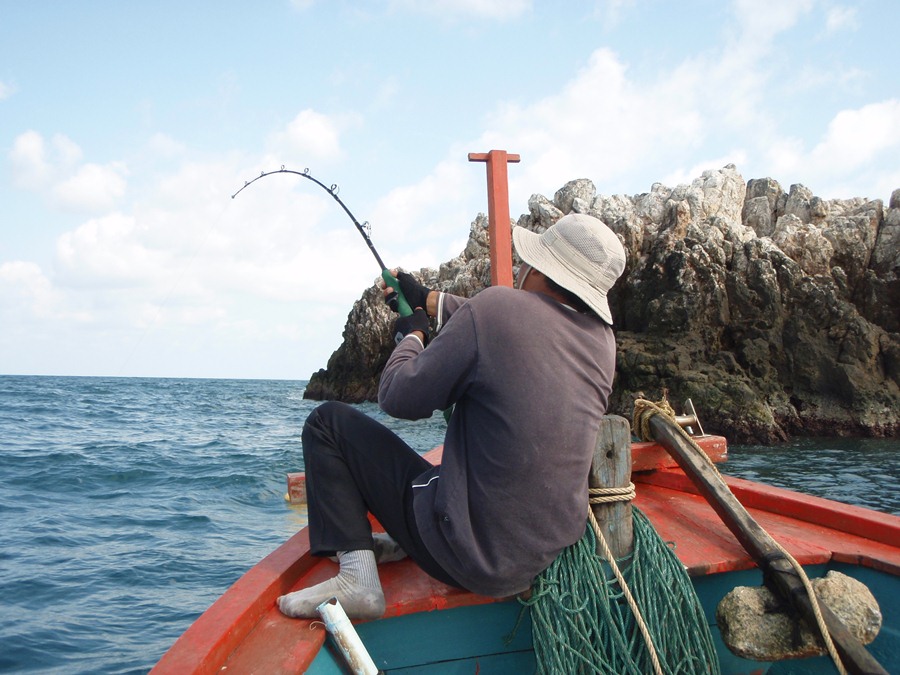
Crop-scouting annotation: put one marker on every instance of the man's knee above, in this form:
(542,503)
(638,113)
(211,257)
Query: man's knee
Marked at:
(324,421)
(325,414)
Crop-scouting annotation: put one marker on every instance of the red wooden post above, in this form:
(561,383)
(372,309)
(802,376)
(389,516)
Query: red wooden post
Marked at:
(498,213)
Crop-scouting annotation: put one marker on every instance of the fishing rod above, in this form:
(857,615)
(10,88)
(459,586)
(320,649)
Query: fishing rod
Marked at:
(402,305)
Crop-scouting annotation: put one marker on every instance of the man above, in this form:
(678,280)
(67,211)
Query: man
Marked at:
(529,372)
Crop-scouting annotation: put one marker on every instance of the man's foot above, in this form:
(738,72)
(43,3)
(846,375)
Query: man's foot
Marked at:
(356,587)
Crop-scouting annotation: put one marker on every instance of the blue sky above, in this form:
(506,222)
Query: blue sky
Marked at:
(125,127)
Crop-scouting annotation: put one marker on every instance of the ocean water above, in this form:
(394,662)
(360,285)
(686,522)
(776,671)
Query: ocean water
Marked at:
(129,505)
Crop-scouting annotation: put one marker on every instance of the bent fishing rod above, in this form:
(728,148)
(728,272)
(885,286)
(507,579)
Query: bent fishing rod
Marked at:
(402,307)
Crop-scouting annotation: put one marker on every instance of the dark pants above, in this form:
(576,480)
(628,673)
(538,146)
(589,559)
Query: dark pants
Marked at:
(355,466)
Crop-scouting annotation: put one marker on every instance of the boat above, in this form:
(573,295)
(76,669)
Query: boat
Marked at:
(429,627)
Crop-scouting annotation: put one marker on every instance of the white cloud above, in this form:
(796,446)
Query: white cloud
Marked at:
(105,252)
(855,137)
(847,160)
(685,176)
(24,284)
(487,9)
(310,135)
(625,134)
(600,126)
(610,11)
(425,214)
(274,242)
(92,188)
(6,90)
(163,145)
(840,18)
(761,20)
(54,168)
(66,152)
(29,164)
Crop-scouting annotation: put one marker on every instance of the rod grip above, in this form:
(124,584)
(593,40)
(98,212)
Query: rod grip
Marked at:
(403,307)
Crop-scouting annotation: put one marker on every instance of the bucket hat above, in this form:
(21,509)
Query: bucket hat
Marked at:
(578,252)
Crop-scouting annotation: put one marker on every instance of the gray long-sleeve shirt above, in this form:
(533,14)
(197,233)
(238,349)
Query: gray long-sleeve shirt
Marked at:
(530,379)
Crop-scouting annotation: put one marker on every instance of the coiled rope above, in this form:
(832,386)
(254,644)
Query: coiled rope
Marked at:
(586,611)
(643,411)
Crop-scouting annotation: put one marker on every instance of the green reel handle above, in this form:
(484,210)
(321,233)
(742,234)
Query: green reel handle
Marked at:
(403,307)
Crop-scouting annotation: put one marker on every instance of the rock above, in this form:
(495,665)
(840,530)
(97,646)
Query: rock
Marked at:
(762,198)
(777,313)
(574,192)
(756,625)
(804,243)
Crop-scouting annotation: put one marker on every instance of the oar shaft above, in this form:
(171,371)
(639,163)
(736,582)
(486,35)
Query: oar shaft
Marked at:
(759,544)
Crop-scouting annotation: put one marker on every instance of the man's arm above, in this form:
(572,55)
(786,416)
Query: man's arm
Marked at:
(417,381)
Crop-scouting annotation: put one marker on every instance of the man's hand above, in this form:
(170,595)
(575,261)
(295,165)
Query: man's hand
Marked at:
(416,323)
(415,293)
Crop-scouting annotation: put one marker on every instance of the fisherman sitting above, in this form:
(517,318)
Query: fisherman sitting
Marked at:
(528,372)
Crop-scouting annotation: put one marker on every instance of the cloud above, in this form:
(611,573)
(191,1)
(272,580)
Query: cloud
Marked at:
(854,137)
(609,12)
(600,125)
(485,9)
(104,253)
(92,188)
(28,160)
(310,135)
(840,18)
(625,132)
(54,168)
(186,271)
(410,220)
(843,163)
(25,285)
(6,90)
(163,145)
(760,21)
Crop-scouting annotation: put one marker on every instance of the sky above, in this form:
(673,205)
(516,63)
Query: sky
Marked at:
(125,128)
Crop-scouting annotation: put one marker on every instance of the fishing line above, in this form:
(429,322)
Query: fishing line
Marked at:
(364,229)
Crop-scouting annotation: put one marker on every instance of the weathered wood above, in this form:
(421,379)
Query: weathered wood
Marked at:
(777,569)
(611,467)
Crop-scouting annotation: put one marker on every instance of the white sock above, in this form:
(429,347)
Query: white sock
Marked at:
(356,587)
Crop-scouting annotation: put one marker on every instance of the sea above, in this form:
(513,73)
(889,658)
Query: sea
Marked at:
(128,505)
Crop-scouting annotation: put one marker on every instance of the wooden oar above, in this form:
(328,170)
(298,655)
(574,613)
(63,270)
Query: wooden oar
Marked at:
(777,570)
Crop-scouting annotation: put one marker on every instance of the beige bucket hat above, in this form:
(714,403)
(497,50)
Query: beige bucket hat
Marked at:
(580,253)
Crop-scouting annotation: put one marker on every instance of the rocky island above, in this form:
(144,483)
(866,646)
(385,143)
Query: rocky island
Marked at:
(777,313)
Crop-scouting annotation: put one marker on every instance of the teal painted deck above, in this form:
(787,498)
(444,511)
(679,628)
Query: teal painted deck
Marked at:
(475,639)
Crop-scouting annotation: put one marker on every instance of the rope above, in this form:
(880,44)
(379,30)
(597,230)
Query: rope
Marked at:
(643,411)
(607,553)
(609,495)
